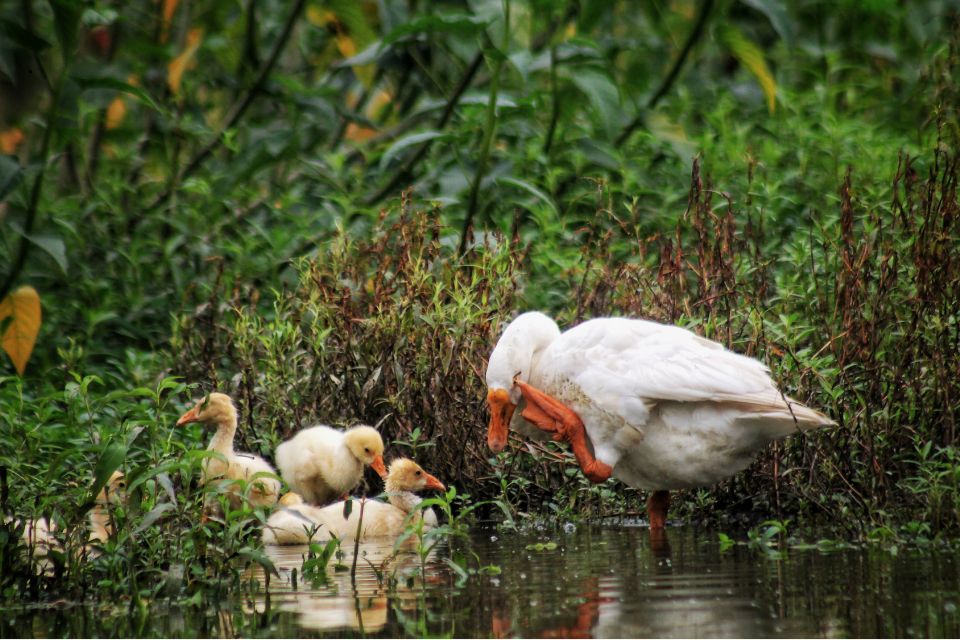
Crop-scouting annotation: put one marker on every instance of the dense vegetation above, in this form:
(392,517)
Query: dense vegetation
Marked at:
(328,210)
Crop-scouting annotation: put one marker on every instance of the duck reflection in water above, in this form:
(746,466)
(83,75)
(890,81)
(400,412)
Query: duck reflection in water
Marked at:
(386,576)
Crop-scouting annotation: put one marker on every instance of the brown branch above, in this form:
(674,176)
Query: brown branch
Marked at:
(671,77)
(406,172)
(238,110)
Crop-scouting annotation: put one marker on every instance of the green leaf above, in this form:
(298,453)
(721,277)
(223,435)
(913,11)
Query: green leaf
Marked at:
(407,141)
(110,460)
(347,508)
(10,174)
(602,94)
(529,188)
(155,514)
(255,555)
(104,82)
(350,13)
(459,24)
(13,33)
(54,247)
(66,20)
(751,56)
(776,13)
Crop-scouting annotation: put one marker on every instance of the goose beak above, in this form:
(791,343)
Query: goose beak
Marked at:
(189,416)
(379,467)
(432,482)
(501,411)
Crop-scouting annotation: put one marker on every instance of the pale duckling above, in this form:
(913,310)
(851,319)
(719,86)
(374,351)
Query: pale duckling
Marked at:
(114,492)
(40,533)
(323,464)
(218,409)
(295,522)
(380,519)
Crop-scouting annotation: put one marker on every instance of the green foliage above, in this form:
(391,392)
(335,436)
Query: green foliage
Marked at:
(331,212)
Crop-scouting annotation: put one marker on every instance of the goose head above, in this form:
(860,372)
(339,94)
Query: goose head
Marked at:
(407,475)
(366,445)
(513,357)
(216,408)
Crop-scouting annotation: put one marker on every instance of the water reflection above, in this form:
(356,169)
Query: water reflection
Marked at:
(386,577)
(612,581)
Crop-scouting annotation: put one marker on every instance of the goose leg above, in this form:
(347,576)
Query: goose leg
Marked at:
(657,505)
(551,415)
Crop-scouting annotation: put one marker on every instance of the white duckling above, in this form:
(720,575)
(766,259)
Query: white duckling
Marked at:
(295,524)
(323,464)
(217,409)
(656,406)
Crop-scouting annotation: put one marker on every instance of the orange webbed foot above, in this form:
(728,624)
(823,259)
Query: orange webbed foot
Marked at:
(553,416)
(597,471)
(547,412)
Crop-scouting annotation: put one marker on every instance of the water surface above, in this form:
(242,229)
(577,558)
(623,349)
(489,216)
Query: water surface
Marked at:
(612,581)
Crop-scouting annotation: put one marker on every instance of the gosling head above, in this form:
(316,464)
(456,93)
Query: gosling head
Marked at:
(215,408)
(366,445)
(406,475)
(114,491)
(291,499)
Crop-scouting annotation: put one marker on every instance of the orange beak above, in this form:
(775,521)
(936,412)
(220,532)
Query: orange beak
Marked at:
(501,411)
(189,416)
(432,482)
(379,467)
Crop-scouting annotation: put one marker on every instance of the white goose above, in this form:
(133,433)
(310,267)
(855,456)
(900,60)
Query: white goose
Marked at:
(656,406)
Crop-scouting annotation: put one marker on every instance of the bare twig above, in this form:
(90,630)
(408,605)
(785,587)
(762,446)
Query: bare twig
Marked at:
(238,110)
(671,77)
(488,133)
(407,170)
(24,247)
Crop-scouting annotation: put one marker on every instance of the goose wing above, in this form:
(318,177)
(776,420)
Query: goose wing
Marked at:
(627,366)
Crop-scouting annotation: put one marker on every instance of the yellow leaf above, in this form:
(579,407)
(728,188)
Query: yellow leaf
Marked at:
(750,55)
(116,112)
(357,133)
(179,64)
(169,8)
(10,140)
(23,308)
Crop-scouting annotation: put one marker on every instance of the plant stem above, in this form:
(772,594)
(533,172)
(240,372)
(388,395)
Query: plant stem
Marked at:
(671,77)
(24,248)
(488,133)
(407,170)
(238,109)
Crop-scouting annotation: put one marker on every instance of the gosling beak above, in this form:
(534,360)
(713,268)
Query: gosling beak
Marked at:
(379,467)
(432,483)
(501,411)
(189,416)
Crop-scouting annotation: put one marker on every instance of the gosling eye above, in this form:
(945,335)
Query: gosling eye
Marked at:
(366,450)
(419,473)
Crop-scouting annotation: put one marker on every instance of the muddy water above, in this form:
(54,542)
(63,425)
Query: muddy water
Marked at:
(611,581)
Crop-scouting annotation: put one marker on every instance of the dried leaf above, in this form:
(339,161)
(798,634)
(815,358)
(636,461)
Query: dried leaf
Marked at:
(116,112)
(750,55)
(23,307)
(179,64)
(10,140)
